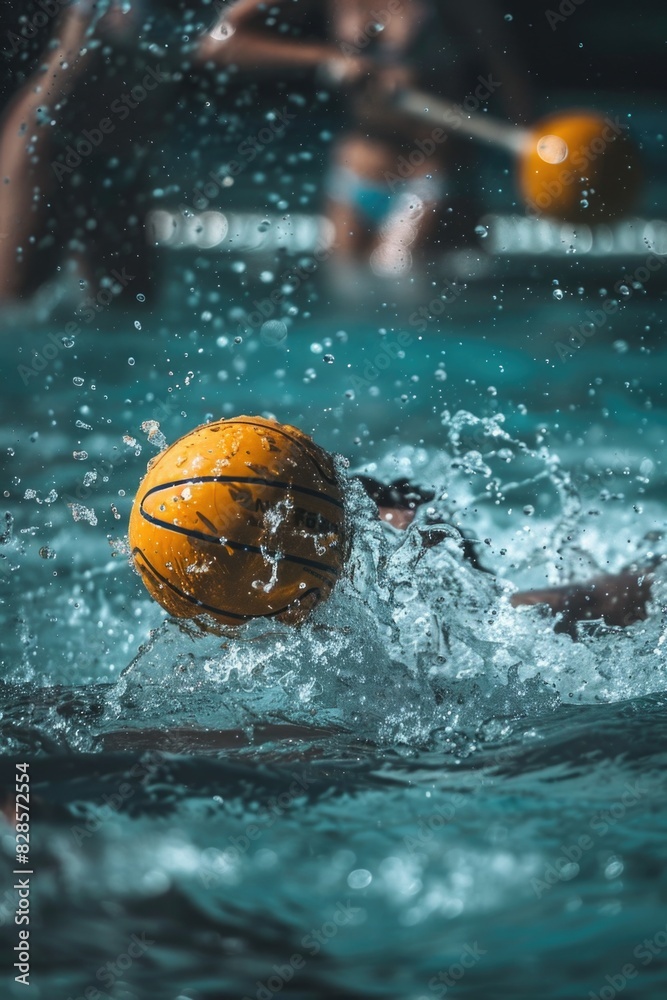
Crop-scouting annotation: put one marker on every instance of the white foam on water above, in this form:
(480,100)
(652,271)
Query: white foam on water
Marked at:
(415,640)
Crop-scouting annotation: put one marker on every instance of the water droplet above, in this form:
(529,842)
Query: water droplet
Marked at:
(558,293)
(359,878)
(614,868)
(273,332)
(328,359)
(509,17)
(137,325)
(481,231)
(155,436)
(77,380)
(552,148)
(140,297)
(130,361)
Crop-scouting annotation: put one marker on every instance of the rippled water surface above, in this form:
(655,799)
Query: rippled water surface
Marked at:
(422,792)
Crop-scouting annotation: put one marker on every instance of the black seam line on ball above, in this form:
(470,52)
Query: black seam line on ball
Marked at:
(274,430)
(296,441)
(251,480)
(210,607)
(237,546)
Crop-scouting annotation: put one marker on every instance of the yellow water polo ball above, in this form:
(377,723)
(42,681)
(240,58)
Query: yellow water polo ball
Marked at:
(239,519)
(580,166)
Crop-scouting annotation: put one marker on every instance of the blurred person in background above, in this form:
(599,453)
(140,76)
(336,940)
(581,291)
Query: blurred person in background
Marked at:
(76,137)
(387,178)
(74,142)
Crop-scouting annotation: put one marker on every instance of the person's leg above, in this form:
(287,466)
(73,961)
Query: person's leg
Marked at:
(28,183)
(412,218)
(26,189)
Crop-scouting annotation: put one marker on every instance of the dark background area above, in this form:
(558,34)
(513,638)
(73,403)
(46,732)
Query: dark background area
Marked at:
(609,56)
(612,46)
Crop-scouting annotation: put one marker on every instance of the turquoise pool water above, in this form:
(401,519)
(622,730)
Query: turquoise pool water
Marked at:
(421,792)
(475,808)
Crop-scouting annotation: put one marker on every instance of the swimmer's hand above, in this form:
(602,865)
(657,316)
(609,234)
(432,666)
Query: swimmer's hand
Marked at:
(379,81)
(618,599)
(345,71)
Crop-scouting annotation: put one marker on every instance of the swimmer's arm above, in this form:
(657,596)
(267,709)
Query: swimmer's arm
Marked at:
(254,51)
(235,40)
(617,598)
